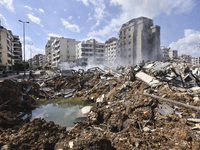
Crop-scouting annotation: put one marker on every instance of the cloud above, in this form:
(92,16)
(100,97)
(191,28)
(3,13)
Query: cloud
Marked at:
(28,38)
(34,19)
(54,35)
(8,4)
(189,44)
(32,51)
(70,17)
(28,7)
(99,10)
(72,27)
(3,21)
(85,2)
(135,8)
(41,10)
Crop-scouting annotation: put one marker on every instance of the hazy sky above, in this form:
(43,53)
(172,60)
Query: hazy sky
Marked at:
(102,19)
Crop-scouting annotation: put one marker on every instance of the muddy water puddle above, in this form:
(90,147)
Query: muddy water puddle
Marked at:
(60,111)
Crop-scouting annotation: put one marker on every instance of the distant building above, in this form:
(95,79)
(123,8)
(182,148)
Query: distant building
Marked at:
(173,54)
(196,61)
(139,41)
(186,58)
(10,49)
(36,61)
(90,51)
(164,52)
(111,50)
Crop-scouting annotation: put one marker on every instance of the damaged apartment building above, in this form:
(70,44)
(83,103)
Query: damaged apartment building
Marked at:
(139,40)
(90,52)
(60,49)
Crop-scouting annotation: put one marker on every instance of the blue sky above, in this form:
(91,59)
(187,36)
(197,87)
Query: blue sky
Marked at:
(102,19)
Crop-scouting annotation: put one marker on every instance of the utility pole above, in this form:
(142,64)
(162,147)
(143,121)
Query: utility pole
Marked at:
(24,43)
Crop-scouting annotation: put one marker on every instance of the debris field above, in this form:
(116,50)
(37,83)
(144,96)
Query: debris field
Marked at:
(153,105)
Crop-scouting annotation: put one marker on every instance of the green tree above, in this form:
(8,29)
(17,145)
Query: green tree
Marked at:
(19,65)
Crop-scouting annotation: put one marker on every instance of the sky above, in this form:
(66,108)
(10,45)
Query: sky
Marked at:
(101,19)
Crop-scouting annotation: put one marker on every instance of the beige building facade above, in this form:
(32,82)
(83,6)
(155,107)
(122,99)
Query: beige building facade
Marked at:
(111,51)
(10,49)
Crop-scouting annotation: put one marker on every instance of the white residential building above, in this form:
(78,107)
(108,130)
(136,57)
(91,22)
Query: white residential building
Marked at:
(48,52)
(60,49)
(111,50)
(90,52)
(196,61)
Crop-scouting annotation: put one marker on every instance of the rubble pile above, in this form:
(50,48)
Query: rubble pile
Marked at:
(154,105)
(14,100)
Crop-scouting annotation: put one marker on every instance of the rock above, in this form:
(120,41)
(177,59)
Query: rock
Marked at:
(146,129)
(165,109)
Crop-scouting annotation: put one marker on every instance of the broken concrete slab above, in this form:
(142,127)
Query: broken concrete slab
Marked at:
(151,81)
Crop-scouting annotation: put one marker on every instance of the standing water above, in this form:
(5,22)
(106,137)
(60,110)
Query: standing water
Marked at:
(60,111)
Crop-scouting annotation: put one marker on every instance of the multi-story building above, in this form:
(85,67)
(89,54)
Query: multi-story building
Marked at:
(6,49)
(60,49)
(38,61)
(173,54)
(64,50)
(196,61)
(164,52)
(111,50)
(90,52)
(17,49)
(35,61)
(139,41)
(186,58)
(43,61)
(48,52)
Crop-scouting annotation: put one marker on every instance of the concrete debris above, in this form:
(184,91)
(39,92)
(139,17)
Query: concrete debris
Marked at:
(153,105)
(151,81)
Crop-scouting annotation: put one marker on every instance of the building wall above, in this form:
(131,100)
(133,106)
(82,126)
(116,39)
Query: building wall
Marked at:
(196,61)
(17,49)
(48,52)
(164,52)
(61,50)
(111,51)
(139,41)
(186,58)
(173,54)
(6,49)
